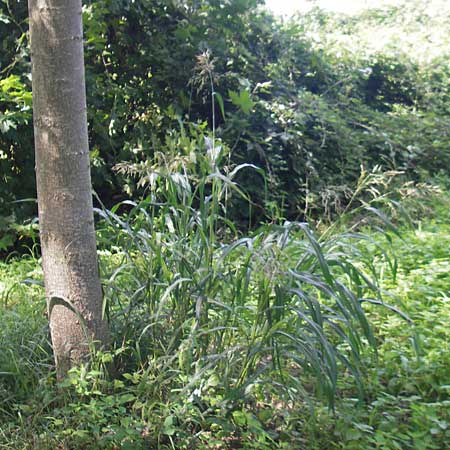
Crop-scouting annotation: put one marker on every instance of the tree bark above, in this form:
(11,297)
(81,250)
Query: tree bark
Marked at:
(66,221)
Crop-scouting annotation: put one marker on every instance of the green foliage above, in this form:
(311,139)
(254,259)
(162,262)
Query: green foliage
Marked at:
(286,295)
(16,157)
(308,101)
(215,116)
(170,392)
(25,351)
(409,390)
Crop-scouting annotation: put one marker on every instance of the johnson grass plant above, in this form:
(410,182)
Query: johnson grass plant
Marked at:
(199,301)
(293,336)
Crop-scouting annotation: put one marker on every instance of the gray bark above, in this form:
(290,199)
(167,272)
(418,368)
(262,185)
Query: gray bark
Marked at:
(66,220)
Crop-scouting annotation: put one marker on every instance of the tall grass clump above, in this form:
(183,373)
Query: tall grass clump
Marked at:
(25,351)
(201,308)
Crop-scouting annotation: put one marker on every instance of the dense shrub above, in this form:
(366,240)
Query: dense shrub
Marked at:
(299,99)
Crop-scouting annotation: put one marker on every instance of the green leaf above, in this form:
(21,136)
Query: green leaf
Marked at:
(240,418)
(168,427)
(221,104)
(242,100)
(4,18)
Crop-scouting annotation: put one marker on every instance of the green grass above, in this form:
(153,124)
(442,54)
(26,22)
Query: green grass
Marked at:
(171,392)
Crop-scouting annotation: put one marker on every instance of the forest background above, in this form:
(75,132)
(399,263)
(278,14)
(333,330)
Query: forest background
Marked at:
(309,101)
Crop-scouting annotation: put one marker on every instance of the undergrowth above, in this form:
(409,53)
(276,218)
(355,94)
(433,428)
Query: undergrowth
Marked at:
(223,341)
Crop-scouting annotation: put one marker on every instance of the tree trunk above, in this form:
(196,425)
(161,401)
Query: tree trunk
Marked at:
(63,178)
